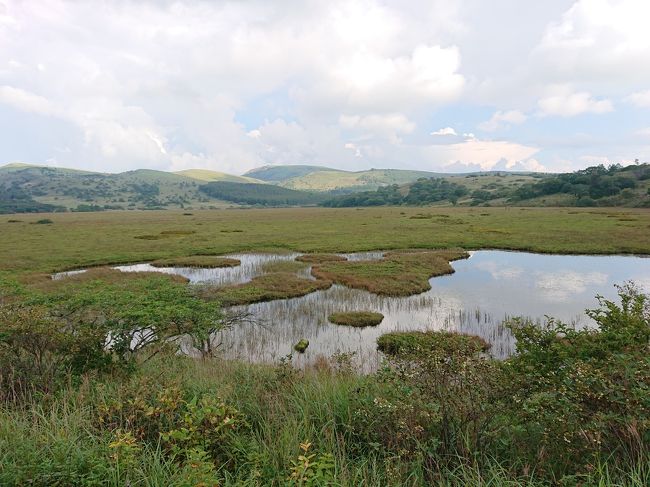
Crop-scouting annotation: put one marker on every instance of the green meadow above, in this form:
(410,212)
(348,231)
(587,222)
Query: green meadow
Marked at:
(75,240)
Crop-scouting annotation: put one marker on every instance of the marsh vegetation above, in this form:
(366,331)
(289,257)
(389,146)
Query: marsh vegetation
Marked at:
(100,381)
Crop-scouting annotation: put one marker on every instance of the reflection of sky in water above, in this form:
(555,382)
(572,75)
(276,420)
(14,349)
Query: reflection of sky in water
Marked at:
(485,289)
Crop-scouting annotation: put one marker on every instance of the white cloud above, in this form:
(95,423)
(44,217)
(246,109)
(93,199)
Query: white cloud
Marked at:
(640,99)
(561,285)
(350,83)
(569,104)
(389,126)
(484,154)
(445,131)
(26,101)
(502,119)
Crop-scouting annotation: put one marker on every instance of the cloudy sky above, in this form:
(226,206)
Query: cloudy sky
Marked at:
(450,85)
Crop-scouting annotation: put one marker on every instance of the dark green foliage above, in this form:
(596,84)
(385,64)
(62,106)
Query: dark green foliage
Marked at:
(259,194)
(43,221)
(423,191)
(15,200)
(577,394)
(588,185)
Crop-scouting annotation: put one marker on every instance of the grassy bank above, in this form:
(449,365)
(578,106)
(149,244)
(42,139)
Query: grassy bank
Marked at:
(117,237)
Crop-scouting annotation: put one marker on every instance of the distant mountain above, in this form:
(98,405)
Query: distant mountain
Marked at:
(207,175)
(318,178)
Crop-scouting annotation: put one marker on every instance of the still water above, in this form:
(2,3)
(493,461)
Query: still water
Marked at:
(486,289)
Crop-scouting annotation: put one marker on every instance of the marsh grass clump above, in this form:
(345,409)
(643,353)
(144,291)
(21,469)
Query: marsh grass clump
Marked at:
(426,342)
(43,221)
(301,346)
(358,319)
(320,258)
(397,274)
(268,287)
(284,266)
(206,261)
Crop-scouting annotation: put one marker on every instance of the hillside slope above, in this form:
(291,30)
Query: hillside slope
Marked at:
(317,178)
(595,186)
(209,176)
(66,189)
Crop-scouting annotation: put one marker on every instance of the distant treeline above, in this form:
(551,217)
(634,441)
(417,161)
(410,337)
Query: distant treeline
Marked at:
(595,186)
(423,191)
(259,194)
(13,200)
(588,185)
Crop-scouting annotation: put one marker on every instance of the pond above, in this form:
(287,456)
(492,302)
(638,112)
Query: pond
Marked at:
(486,289)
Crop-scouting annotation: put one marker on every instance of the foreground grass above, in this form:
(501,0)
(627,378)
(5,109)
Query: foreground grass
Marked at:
(397,274)
(112,237)
(58,441)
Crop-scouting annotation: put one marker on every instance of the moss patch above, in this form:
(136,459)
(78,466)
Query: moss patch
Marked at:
(397,274)
(320,258)
(280,285)
(356,318)
(427,342)
(208,261)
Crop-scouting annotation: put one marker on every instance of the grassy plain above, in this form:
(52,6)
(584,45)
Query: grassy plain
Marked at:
(88,239)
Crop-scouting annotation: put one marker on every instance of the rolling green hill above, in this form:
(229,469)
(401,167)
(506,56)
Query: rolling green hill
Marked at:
(316,178)
(24,187)
(209,176)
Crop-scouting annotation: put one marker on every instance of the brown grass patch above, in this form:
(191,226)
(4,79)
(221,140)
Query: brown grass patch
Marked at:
(269,287)
(397,274)
(320,258)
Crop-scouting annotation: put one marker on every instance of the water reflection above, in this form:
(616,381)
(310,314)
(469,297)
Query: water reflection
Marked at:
(485,290)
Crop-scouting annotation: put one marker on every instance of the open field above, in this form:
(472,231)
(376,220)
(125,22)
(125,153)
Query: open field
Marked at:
(83,239)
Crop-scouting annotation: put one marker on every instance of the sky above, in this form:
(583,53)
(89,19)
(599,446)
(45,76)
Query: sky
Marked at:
(453,85)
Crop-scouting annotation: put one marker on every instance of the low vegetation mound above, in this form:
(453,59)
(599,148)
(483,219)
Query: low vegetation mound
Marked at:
(358,319)
(320,258)
(426,342)
(207,261)
(397,274)
(100,275)
(268,287)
